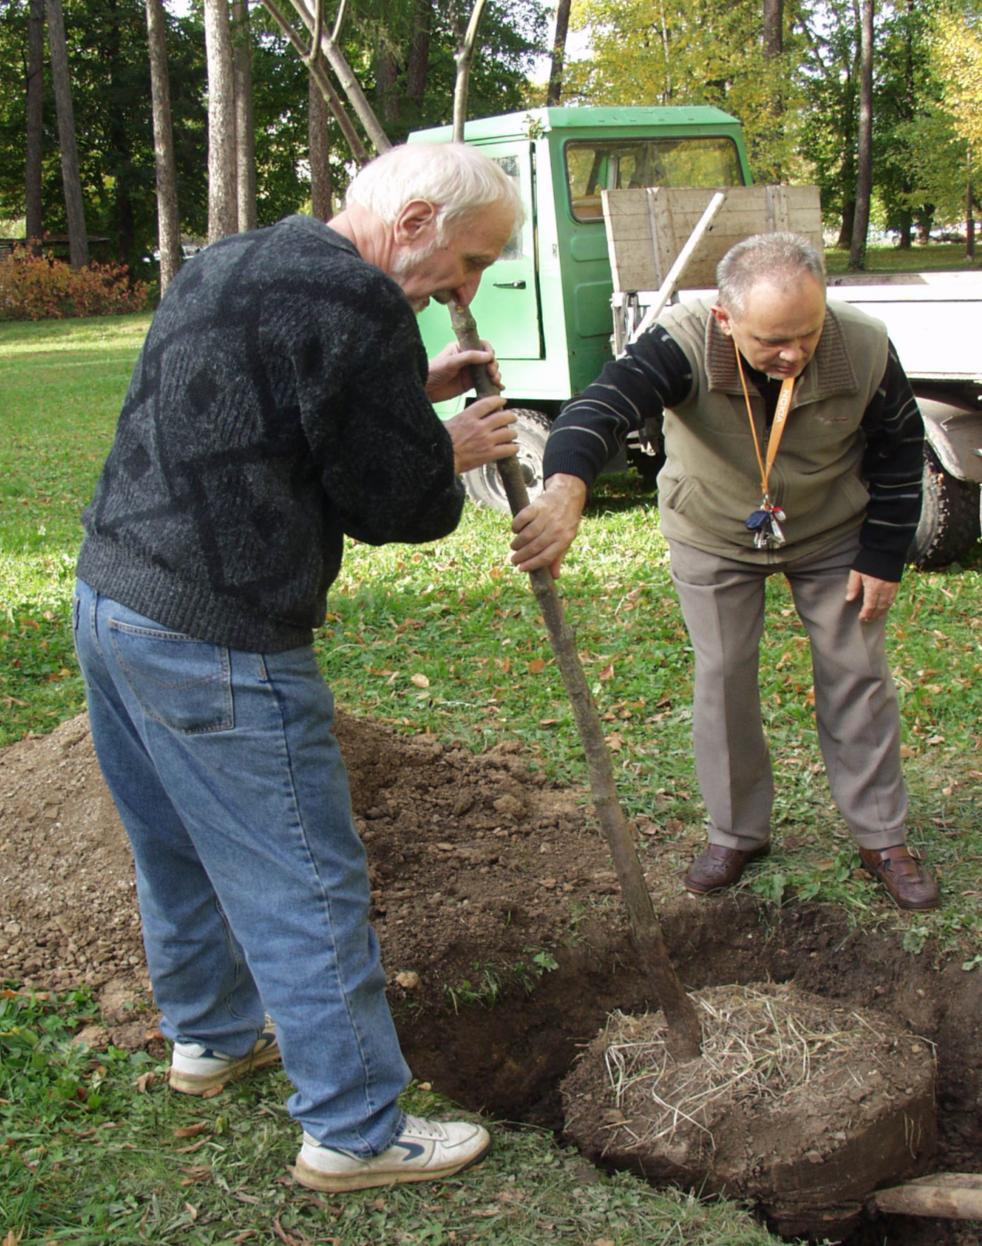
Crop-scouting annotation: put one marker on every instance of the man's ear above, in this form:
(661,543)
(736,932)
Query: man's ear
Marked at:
(415,222)
(722,318)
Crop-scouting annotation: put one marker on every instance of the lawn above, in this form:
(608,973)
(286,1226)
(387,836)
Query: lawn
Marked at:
(84,1151)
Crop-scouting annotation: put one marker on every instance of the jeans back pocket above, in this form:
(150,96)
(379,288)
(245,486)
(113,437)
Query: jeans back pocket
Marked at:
(183,683)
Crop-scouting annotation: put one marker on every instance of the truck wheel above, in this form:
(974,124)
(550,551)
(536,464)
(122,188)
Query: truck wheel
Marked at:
(949,524)
(484,485)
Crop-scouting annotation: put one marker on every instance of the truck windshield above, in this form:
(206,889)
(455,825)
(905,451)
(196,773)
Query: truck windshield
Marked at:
(620,164)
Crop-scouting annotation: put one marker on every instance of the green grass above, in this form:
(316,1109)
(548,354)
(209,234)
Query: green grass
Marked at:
(95,1149)
(86,1159)
(936,257)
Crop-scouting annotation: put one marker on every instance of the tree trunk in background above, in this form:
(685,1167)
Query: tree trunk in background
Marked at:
(554,92)
(844,241)
(418,64)
(773,39)
(245,134)
(321,187)
(864,160)
(773,47)
(387,86)
(78,238)
(122,170)
(168,218)
(35,120)
(223,210)
(969,221)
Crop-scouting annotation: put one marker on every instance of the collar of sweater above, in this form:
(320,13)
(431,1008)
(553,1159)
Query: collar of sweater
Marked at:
(829,371)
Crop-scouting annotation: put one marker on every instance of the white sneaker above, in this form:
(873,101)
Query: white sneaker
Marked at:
(196,1069)
(423,1151)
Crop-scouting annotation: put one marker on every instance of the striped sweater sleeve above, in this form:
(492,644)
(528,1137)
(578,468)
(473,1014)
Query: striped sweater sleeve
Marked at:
(893,466)
(653,374)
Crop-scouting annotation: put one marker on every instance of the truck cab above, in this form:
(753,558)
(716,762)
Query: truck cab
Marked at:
(545,304)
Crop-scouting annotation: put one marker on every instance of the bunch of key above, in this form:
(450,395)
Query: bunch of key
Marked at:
(765,524)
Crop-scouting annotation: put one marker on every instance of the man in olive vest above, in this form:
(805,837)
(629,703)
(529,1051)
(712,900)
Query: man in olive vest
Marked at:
(793,444)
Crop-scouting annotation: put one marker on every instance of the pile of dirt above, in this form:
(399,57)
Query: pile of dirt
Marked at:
(798,1105)
(473,861)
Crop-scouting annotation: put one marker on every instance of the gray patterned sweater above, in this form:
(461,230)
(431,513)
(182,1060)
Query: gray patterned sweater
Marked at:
(278,404)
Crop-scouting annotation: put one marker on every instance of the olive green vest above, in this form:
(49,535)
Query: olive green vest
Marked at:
(710,482)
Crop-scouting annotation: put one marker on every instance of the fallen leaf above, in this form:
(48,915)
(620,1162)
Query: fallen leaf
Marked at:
(191,1131)
(607,672)
(536,666)
(191,1210)
(195,1173)
(144,1082)
(419,680)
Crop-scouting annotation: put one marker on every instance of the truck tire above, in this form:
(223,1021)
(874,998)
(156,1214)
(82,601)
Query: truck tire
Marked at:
(484,485)
(949,524)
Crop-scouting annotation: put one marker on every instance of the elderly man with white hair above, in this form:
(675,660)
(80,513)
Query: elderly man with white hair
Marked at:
(793,446)
(282,400)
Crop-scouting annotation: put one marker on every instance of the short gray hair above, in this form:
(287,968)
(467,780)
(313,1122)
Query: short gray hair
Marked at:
(780,258)
(455,178)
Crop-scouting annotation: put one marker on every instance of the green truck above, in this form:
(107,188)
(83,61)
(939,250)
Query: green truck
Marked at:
(545,305)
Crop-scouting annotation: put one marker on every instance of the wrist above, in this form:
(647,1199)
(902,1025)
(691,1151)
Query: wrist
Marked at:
(572,488)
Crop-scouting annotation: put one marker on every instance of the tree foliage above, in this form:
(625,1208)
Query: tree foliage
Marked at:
(691,52)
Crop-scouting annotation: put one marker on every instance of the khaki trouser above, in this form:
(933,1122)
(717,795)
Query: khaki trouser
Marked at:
(855,699)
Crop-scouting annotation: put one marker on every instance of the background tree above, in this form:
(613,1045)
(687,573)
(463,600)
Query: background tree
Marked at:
(168,217)
(864,143)
(223,212)
(957,52)
(78,238)
(245,145)
(321,181)
(33,214)
(554,91)
(682,52)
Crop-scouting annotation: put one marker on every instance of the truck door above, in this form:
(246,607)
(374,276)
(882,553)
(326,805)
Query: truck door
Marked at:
(506,307)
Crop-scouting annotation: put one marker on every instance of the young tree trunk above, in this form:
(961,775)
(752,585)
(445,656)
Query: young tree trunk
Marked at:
(33,210)
(223,213)
(245,134)
(321,185)
(864,157)
(554,91)
(168,218)
(969,220)
(78,238)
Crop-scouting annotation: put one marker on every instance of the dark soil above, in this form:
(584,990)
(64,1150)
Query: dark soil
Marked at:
(799,1105)
(478,866)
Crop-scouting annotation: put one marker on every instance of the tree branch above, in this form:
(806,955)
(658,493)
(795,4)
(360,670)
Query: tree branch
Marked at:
(318,73)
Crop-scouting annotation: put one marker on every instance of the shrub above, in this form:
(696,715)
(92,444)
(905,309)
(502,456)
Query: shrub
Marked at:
(36,286)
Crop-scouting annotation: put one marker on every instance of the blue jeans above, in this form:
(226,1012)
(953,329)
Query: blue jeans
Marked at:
(251,877)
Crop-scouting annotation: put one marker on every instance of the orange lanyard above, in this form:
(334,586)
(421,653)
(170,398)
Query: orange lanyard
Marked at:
(777,427)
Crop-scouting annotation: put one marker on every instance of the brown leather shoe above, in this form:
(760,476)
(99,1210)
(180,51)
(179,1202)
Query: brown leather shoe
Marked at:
(905,878)
(720,867)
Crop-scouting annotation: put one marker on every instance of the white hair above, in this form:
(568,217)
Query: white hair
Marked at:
(780,258)
(454,178)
